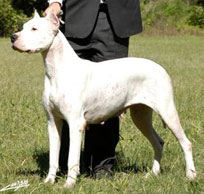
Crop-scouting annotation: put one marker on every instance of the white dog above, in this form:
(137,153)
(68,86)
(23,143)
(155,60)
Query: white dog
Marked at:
(83,93)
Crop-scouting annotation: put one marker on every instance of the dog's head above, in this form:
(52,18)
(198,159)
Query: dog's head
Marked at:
(37,34)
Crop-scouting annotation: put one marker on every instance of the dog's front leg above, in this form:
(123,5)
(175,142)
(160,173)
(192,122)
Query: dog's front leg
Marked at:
(54,131)
(76,131)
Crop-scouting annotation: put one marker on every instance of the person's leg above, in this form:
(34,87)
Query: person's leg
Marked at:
(99,149)
(64,149)
(100,140)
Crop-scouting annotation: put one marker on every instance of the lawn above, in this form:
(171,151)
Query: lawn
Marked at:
(23,134)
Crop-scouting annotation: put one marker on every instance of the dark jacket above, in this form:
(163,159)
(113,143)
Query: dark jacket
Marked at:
(81,15)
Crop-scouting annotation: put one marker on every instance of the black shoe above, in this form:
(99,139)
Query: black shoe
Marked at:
(103,173)
(104,169)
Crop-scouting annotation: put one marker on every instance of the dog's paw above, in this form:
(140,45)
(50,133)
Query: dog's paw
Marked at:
(191,174)
(50,179)
(69,184)
(147,175)
(151,174)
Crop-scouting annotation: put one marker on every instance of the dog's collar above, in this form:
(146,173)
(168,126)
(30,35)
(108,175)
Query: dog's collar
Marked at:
(56,32)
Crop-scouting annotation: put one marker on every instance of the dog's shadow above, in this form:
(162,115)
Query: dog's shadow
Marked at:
(42,160)
(122,163)
(126,165)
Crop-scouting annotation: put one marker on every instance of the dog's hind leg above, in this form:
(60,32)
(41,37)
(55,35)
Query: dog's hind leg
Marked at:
(171,118)
(54,131)
(142,117)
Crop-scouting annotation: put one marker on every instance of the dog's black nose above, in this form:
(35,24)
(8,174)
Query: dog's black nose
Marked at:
(14,37)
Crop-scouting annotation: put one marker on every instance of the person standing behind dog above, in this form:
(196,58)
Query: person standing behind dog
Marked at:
(98,30)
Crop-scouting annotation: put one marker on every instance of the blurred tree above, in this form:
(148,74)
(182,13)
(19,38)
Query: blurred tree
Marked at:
(191,2)
(200,2)
(10,19)
(177,13)
(28,6)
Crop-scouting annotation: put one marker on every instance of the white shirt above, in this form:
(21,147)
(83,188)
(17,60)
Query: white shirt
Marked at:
(60,1)
(55,1)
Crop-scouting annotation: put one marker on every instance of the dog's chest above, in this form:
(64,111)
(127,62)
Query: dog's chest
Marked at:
(53,99)
(57,101)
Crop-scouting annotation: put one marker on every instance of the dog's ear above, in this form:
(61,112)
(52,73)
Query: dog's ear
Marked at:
(54,20)
(36,15)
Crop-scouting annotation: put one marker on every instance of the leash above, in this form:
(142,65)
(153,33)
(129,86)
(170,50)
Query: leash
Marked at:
(60,17)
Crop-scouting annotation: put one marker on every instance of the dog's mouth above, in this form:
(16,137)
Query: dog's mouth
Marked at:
(16,48)
(30,51)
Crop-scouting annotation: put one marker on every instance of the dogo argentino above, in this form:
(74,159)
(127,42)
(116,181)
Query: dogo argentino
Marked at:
(83,93)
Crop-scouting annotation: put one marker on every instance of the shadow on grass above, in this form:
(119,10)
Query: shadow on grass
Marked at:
(126,165)
(122,164)
(42,159)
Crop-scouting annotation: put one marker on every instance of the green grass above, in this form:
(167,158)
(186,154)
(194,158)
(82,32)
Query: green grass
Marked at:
(23,133)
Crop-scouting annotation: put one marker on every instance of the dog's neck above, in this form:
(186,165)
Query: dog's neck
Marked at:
(58,54)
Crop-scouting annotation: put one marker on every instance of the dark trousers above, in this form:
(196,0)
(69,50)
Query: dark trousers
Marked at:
(100,140)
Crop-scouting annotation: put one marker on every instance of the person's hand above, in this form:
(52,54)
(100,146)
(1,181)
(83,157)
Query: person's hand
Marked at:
(54,7)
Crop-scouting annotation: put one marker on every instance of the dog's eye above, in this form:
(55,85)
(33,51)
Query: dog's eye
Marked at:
(34,29)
